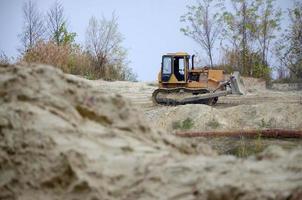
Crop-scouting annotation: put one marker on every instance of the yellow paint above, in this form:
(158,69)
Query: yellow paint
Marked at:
(173,79)
(178,54)
(211,80)
(199,70)
(215,75)
(195,84)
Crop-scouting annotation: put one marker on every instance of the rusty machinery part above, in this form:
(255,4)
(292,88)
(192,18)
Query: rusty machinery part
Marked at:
(265,133)
(193,96)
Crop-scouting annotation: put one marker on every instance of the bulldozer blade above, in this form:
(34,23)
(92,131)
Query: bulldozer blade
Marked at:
(237,85)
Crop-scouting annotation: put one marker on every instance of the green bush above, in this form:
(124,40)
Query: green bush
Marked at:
(184,125)
(254,65)
(262,71)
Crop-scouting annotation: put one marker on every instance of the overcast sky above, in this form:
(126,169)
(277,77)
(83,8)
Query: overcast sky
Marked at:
(150,27)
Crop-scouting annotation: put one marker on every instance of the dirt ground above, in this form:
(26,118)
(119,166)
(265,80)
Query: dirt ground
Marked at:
(258,108)
(64,137)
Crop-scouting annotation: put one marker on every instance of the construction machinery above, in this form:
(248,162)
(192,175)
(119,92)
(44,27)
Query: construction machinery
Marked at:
(181,83)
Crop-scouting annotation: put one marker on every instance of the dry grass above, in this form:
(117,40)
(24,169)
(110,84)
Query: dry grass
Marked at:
(74,60)
(66,57)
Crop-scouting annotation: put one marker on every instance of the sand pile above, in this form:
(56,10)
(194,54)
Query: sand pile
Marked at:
(61,138)
(204,117)
(253,85)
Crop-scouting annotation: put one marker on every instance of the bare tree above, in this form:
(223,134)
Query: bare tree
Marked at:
(202,26)
(33,27)
(244,33)
(282,72)
(103,43)
(4,60)
(268,22)
(289,47)
(239,30)
(56,21)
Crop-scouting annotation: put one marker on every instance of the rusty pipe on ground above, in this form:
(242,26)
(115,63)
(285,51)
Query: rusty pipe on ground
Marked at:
(265,133)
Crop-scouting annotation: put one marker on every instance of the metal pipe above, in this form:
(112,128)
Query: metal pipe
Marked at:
(265,133)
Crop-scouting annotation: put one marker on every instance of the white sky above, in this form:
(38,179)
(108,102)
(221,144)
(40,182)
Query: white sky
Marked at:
(150,27)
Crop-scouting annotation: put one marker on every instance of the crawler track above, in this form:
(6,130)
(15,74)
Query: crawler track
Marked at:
(186,96)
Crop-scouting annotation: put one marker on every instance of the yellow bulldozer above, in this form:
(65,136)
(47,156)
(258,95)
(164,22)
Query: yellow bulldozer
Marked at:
(181,83)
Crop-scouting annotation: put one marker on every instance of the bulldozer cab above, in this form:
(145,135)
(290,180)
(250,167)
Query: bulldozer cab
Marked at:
(175,67)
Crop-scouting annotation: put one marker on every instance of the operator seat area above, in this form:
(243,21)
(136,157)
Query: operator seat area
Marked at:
(179,68)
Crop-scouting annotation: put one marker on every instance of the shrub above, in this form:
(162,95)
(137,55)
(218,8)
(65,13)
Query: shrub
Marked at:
(184,125)
(255,67)
(288,80)
(62,56)
(271,123)
(4,60)
(72,59)
(213,123)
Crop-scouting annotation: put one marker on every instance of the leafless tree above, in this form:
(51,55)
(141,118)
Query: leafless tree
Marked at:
(268,22)
(4,60)
(282,72)
(289,47)
(202,26)
(33,27)
(238,29)
(103,43)
(55,21)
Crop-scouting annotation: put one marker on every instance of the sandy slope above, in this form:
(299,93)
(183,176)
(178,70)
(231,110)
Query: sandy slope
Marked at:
(140,93)
(63,137)
(259,108)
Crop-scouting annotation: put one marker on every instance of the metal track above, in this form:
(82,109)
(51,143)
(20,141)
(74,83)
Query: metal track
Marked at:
(198,96)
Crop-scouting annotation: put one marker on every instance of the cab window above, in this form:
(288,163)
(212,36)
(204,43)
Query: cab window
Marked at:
(167,61)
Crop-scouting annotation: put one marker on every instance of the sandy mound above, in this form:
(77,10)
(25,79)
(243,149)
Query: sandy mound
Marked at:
(254,84)
(204,117)
(60,138)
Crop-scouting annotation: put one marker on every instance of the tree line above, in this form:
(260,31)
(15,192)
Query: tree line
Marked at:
(45,38)
(249,33)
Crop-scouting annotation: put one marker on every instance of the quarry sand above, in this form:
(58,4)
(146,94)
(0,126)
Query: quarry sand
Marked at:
(65,137)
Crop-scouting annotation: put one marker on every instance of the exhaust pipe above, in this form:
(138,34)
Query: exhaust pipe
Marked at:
(193,61)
